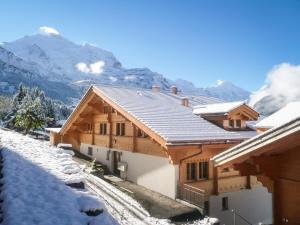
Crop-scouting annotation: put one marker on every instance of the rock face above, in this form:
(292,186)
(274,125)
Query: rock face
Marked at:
(64,69)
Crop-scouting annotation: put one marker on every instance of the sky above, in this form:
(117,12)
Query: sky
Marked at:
(200,41)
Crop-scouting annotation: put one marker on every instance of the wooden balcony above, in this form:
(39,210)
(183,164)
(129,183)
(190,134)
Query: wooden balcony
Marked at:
(198,192)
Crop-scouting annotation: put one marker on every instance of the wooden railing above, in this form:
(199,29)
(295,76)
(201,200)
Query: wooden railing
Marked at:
(194,195)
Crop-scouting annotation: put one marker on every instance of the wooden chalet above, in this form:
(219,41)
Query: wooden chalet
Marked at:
(161,139)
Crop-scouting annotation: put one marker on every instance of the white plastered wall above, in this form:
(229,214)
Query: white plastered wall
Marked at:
(254,204)
(153,172)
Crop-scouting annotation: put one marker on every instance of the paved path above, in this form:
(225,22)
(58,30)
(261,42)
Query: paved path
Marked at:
(158,205)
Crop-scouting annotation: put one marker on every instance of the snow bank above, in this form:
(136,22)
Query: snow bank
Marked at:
(35,190)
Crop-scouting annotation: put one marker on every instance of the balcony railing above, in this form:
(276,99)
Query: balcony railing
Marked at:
(195,196)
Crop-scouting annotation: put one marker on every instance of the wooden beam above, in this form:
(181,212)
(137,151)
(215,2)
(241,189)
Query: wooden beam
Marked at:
(215,180)
(134,147)
(79,109)
(93,134)
(109,119)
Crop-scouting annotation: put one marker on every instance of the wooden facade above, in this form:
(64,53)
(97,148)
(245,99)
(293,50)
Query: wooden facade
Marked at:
(97,113)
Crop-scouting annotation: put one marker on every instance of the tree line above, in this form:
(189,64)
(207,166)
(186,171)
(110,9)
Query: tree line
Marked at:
(30,109)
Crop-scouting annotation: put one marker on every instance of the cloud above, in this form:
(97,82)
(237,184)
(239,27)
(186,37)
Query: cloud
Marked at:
(48,30)
(282,85)
(93,68)
(82,67)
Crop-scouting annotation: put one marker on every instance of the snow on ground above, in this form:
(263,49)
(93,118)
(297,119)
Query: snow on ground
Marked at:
(34,189)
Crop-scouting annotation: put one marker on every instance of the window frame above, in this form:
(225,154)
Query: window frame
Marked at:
(120,129)
(90,151)
(231,123)
(238,123)
(203,170)
(225,203)
(103,129)
(89,127)
(191,171)
(105,109)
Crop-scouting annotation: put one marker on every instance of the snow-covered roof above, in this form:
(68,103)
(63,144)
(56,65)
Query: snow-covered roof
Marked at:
(163,113)
(288,113)
(216,108)
(254,146)
(53,129)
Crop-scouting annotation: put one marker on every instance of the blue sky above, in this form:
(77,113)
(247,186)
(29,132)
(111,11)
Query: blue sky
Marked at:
(201,41)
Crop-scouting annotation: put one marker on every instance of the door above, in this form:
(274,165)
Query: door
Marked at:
(287,202)
(116,159)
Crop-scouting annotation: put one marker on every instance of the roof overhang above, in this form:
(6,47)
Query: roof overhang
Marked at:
(275,140)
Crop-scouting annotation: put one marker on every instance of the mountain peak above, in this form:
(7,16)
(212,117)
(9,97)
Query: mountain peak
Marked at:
(57,59)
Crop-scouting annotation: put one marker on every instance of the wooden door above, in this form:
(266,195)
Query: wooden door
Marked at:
(287,202)
(116,159)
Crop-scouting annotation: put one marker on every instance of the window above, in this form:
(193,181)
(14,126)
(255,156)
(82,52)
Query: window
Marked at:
(238,123)
(120,128)
(90,151)
(88,127)
(113,110)
(141,133)
(103,129)
(105,109)
(203,170)
(231,123)
(225,203)
(191,171)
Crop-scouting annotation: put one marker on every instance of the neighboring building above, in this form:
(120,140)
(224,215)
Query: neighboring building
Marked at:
(274,158)
(153,138)
(288,113)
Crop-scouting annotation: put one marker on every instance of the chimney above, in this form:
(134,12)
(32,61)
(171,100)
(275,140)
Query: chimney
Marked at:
(185,101)
(155,88)
(174,90)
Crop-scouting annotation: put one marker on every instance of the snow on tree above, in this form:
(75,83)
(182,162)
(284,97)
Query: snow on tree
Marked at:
(31,114)
(19,96)
(47,112)
(5,106)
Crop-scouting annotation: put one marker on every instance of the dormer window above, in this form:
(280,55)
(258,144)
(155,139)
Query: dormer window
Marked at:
(231,123)
(88,127)
(238,123)
(230,115)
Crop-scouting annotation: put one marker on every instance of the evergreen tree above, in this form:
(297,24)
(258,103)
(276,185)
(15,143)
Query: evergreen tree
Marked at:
(50,112)
(19,96)
(31,114)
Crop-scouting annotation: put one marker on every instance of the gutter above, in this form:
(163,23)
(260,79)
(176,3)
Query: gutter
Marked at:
(205,142)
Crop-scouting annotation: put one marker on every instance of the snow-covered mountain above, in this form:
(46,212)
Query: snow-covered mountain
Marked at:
(14,70)
(223,89)
(51,58)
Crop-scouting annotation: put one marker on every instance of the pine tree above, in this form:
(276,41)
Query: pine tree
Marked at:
(19,96)
(50,112)
(31,114)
